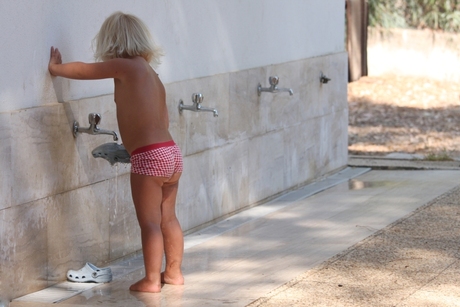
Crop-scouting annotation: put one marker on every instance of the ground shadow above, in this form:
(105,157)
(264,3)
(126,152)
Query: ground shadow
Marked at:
(382,128)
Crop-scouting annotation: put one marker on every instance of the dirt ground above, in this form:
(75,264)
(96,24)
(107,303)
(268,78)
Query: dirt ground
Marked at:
(404,114)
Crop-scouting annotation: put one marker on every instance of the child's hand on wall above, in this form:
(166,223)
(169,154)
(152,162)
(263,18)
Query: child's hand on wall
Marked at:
(55,58)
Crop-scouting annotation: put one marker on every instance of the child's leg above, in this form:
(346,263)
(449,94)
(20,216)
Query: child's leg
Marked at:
(147,197)
(173,238)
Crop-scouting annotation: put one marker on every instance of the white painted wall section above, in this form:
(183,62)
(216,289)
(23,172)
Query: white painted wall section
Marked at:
(201,38)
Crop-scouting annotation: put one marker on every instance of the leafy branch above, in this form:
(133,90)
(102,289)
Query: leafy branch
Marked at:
(417,14)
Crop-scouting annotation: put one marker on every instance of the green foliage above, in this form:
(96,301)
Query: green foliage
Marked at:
(385,14)
(418,14)
(439,156)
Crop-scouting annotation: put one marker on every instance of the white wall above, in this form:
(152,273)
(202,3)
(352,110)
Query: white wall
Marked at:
(201,38)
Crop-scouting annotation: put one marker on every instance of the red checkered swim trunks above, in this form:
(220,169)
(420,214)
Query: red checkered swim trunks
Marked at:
(159,160)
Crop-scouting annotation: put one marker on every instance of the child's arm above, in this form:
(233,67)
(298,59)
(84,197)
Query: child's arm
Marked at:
(85,71)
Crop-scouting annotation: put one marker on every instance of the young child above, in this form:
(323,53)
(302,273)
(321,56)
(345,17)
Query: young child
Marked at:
(125,47)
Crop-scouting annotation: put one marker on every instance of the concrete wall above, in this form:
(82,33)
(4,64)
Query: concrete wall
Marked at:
(408,52)
(60,207)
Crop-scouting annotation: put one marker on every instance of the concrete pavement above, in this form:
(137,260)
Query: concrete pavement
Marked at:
(360,237)
(412,262)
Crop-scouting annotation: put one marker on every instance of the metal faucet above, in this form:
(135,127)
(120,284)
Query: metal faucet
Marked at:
(324,79)
(94,120)
(273,87)
(197,99)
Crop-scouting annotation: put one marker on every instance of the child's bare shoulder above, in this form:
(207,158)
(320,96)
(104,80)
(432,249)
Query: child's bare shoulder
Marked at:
(129,66)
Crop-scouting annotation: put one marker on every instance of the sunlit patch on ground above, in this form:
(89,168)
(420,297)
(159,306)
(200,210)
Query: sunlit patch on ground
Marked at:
(403,114)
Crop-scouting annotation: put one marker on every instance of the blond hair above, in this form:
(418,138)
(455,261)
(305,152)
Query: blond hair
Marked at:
(124,35)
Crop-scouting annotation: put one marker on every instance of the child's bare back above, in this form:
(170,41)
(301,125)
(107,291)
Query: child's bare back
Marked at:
(141,106)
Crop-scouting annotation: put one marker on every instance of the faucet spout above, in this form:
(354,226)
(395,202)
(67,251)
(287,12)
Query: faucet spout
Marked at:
(273,87)
(108,132)
(93,129)
(290,91)
(197,98)
(199,107)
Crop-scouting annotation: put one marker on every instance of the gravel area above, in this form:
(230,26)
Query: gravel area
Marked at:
(404,114)
(412,262)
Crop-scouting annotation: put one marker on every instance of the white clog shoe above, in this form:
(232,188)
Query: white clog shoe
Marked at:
(90,273)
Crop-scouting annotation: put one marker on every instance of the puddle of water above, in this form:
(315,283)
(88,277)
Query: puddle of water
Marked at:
(354,184)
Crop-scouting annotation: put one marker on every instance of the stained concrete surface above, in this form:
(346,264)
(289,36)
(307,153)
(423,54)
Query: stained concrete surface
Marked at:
(412,262)
(323,249)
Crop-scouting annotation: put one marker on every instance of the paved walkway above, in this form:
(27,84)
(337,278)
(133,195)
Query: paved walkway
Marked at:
(412,262)
(327,244)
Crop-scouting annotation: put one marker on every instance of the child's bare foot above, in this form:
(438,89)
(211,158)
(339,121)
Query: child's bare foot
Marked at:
(145,285)
(172,280)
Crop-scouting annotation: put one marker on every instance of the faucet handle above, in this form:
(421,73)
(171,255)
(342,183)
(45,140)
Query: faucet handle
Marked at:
(324,79)
(274,80)
(94,118)
(197,98)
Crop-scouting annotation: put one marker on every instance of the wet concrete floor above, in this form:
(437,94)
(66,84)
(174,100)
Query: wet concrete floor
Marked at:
(242,258)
